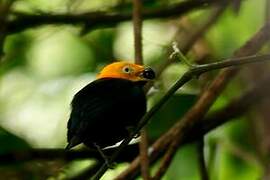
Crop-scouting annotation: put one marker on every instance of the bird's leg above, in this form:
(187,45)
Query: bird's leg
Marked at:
(106,159)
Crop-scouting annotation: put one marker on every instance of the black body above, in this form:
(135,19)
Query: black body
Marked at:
(104,111)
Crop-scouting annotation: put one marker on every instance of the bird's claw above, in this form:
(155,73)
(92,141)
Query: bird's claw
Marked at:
(111,165)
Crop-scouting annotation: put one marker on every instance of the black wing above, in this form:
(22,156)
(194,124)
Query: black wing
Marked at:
(90,105)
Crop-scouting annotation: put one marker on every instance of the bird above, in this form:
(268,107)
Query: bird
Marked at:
(105,111)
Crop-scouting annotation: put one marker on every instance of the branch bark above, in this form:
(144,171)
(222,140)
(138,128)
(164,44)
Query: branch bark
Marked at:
(137,28)
(97,19)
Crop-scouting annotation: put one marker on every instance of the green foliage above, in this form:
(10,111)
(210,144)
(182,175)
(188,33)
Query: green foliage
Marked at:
(233,166)
(235,29)
(101,42)
(44,67)
(184,165)
(49,59)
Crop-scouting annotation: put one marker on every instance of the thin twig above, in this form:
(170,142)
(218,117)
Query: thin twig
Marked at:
(137,28)
(209,96)
(144,155)
(100,19)
(192,39)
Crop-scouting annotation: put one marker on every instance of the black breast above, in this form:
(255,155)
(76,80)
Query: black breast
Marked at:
(103,111)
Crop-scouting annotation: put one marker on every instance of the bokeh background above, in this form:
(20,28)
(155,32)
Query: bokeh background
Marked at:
(43,67)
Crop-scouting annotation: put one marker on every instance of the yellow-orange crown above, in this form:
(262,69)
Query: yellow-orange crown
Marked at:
(125,70)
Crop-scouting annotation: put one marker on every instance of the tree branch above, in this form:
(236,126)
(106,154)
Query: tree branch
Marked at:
(251,47)
(20,156)
(207,98)
(236,108)
(193,72)
(137,28)
(144,155)
(99,18)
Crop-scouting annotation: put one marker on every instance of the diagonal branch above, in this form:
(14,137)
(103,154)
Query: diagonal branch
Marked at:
(236,108)
(197,112)
(192,73)
(251,47)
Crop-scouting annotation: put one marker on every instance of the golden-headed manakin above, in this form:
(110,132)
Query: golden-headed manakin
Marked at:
(105,110)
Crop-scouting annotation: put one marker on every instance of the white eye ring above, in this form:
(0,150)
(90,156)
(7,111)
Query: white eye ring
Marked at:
(127,69)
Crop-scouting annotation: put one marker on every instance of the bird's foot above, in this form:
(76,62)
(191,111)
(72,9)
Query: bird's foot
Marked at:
(111,165)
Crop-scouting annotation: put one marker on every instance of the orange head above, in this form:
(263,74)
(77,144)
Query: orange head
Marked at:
(125,70)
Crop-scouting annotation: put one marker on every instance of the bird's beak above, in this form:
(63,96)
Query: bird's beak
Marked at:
(148,74)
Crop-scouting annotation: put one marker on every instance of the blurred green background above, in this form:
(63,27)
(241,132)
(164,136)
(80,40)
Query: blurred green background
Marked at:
(44,67)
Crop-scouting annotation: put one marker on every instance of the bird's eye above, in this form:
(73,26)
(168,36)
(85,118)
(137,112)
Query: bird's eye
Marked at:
(127,69)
